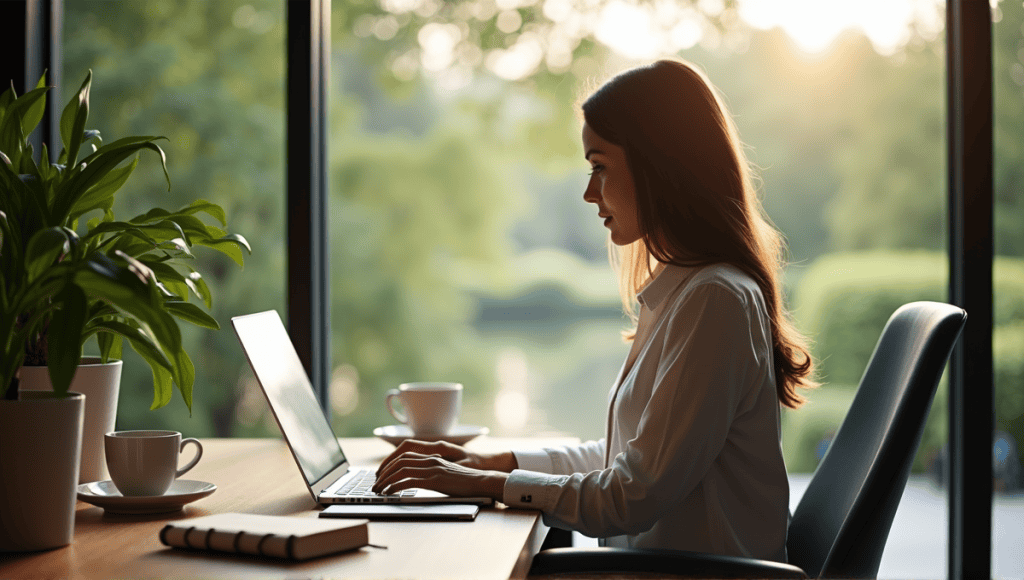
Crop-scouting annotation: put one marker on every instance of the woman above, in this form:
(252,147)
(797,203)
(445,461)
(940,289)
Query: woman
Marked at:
(692,458)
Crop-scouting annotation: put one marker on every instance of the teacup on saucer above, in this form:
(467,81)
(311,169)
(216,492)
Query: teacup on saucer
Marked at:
(104,494)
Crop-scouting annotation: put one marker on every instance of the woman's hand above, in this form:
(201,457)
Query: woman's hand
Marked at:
(413,469)
(449,469)
(456,454)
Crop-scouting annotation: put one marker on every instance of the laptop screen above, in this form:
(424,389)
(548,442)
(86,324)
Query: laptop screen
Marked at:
(278,369)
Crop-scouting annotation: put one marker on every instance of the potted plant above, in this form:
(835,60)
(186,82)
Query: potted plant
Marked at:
(63,284)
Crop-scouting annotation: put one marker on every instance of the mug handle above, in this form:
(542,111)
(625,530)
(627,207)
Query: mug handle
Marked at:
(387,401)
(195,460)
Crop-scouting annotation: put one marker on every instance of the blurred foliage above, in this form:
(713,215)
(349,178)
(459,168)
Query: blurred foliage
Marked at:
(184,70)
(844,301)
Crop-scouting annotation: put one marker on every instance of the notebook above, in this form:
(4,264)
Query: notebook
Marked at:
(327,473)
(262,535)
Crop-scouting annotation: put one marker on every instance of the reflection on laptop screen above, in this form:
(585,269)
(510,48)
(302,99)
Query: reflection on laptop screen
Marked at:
(289,393)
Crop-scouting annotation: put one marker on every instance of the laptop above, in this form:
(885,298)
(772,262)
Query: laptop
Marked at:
(327,473)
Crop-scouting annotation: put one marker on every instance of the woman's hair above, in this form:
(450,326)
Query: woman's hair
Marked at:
(695,200)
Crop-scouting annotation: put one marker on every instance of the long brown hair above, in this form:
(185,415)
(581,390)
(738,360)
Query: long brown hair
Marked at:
(695,200)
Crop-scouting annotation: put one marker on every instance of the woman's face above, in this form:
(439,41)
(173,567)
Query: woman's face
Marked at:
(611,187)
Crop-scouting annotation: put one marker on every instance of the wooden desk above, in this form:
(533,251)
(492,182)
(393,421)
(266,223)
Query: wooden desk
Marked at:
(259,476)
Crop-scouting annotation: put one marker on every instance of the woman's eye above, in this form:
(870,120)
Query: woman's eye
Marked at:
(596,169)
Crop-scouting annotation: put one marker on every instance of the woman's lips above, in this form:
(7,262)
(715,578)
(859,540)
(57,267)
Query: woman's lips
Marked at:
(607,220)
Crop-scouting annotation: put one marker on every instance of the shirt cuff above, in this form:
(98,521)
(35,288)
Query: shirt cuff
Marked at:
(534,460)
(531,490)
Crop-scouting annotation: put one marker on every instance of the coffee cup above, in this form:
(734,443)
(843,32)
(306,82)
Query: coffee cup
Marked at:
(145,463)
(430,408)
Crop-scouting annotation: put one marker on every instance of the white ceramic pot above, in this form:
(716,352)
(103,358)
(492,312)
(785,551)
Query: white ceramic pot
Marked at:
(100,383)
(40,447)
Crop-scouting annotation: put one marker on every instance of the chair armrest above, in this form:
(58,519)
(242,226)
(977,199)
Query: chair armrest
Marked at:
(674,562)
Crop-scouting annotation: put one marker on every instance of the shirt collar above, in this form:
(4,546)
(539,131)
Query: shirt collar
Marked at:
(663,285)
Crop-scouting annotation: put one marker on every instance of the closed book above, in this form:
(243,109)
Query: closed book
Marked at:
(262,535)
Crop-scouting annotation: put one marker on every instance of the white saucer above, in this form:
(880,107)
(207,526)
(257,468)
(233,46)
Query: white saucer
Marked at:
(459,435)
(106,496)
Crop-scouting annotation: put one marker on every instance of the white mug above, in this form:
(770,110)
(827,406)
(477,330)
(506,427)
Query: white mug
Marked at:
(430,408)
(145,463)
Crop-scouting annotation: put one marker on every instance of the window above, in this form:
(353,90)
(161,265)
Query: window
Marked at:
(210,77)
(1008,336)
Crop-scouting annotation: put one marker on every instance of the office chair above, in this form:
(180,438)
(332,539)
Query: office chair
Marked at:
(841,524)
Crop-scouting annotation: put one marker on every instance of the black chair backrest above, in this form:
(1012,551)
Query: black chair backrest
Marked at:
(841,524)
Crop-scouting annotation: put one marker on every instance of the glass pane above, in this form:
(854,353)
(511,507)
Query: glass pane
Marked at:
(208,76)
(462,248)
(1008,339)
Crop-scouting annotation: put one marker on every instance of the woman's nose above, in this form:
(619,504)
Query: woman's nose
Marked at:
(590,194)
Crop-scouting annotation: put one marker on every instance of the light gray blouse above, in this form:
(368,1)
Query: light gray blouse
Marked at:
(692,458)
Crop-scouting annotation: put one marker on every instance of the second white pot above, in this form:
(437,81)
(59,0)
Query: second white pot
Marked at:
(100,383)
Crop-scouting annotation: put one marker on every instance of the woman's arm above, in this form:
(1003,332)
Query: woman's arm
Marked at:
(564,459)
(456,471)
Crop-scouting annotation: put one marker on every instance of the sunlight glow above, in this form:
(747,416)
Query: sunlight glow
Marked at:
(814,25)
(512,405)
(519,61)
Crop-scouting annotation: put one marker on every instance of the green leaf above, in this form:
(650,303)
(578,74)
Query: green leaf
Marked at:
(164,271)
(34,113)
(213,210)
(64,337)
(43,250)
(193,228)
(198,285)
(171,278)
(191,313)
(12,134)
(122,287)
(152,233)
(154,214)
(186,378)
(163,387)
(176,249)
(141,342)
(111,346)
(96,166)
(5,101)
(72,121)
(147,348)
(231,245)
(104,190)
(46,171)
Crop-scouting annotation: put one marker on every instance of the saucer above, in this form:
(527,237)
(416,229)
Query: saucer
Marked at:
(182,491)
(459,435)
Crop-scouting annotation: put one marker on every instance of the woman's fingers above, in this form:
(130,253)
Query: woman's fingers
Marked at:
(389,473)
(404,478)
(440,448)
(407,446)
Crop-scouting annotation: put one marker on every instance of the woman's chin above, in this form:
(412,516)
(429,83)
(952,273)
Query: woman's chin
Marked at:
(619,240)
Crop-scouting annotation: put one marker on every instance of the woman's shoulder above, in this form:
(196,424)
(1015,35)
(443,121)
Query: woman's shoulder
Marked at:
(726,276)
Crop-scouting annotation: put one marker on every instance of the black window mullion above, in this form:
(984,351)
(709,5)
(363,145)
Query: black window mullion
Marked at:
(308,48)
(30,37)
(971,254)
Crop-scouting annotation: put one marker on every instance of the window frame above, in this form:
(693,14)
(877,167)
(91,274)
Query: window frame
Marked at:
(306,167)
(970,173)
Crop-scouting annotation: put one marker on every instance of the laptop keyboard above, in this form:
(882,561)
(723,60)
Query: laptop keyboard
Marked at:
(361,483)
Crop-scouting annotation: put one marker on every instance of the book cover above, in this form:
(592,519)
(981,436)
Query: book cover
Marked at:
(262,535)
